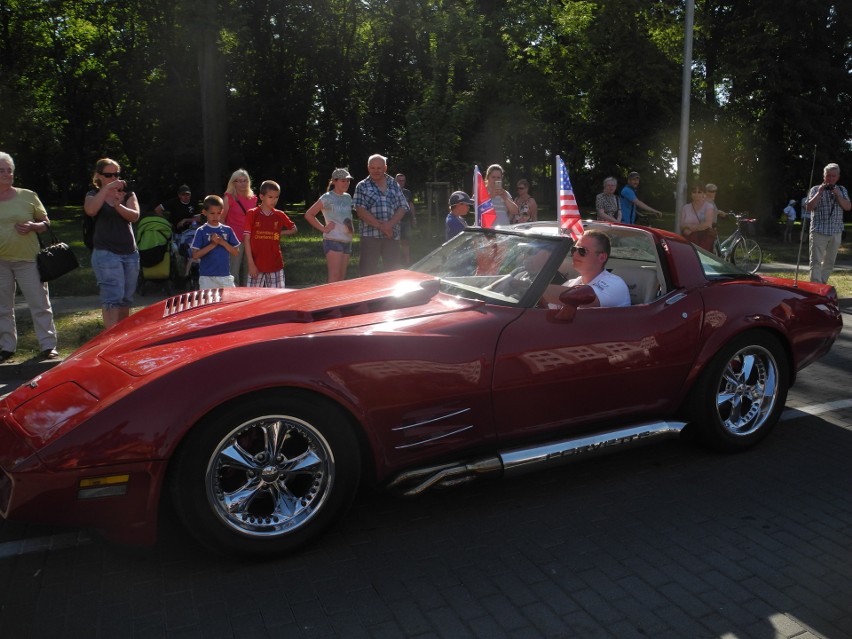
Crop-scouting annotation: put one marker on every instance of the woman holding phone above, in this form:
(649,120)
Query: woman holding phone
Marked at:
(501,199)
(115,258)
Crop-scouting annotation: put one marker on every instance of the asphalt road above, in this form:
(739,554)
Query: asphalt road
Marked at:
(665,541)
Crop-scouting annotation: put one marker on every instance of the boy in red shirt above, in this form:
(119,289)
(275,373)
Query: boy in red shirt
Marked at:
(264,227)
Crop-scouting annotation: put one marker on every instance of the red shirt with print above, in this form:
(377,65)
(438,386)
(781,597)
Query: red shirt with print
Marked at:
(264,233)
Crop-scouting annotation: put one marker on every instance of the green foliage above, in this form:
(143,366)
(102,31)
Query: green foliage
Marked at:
(298,88)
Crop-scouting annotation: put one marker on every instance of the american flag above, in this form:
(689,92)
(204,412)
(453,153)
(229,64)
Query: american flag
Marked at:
(569,212)
(486,216)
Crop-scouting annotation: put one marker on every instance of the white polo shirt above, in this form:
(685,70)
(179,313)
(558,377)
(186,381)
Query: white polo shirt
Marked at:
(610,289)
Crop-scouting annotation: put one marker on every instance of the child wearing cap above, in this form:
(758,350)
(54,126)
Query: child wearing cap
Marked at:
(336,206)
(213,245)
(262,236)
(460,203)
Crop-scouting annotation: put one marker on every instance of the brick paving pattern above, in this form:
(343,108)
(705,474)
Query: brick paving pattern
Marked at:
(665,541)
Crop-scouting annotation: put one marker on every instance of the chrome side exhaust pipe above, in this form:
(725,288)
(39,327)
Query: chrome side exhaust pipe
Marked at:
(522,460)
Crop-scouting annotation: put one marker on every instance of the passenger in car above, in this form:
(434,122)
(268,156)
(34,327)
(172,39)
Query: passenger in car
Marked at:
(589,257)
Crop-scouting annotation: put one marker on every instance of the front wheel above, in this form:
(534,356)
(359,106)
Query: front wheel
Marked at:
(264,476)
(747,255)
(740,395)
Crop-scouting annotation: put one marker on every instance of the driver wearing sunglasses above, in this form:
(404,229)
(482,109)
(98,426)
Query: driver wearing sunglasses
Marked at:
(589,257)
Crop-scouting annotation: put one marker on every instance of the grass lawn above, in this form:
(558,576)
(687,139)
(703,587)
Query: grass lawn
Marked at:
(305,266)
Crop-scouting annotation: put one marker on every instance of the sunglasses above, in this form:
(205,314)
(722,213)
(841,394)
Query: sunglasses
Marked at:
(582,250)
(111,175)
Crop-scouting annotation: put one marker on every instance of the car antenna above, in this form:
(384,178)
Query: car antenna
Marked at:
(802,217)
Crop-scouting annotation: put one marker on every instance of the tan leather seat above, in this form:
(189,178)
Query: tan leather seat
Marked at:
(642,282)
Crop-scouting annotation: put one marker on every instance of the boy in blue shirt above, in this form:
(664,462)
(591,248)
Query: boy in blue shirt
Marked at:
(213,244)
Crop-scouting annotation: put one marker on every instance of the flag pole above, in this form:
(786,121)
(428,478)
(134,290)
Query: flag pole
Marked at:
(475,190)
(558,195)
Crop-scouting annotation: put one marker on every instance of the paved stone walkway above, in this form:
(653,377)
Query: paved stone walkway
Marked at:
(669,541)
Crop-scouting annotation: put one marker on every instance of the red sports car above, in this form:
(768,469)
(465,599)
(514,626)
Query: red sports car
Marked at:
(257,413)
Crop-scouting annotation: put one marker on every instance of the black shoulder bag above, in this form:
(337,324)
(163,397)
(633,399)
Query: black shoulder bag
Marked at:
(56,259)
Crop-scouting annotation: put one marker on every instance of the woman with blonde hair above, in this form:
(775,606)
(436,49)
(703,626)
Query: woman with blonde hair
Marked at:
(115,258)
(501,199)
(239,199)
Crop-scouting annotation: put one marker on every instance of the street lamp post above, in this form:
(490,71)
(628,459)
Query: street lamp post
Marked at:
(683,163)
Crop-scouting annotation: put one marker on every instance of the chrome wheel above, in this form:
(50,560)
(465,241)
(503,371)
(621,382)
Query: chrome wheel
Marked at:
(741,392)
(270,475)
(266,473)
(748,391)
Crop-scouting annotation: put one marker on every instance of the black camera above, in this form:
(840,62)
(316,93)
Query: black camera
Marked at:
(129,186)
(828,187)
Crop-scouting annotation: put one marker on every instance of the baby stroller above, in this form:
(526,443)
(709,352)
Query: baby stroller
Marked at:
(155,256)
(188,267)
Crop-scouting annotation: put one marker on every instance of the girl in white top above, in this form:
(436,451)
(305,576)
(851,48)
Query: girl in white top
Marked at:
(336,207)
(501,199)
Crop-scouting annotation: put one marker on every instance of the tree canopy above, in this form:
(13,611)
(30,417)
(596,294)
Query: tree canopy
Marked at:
(289,89)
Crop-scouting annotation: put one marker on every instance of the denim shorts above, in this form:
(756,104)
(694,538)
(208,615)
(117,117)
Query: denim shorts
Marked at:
(117,276)
(337,247)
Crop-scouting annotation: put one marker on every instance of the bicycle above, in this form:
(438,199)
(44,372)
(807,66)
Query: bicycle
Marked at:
(646,219)
(738,248)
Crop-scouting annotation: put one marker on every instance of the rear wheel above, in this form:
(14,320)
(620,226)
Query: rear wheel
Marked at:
(740,395)
(266,475)
(747,255)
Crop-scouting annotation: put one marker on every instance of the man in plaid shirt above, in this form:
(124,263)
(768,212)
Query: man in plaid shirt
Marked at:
(828,201)
(380,205)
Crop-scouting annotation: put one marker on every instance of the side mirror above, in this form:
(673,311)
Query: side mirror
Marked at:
(571,299)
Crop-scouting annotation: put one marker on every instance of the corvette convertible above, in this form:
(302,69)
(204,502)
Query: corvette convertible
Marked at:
(254,415)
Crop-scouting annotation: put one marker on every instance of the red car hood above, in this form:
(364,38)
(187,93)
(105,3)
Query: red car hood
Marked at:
(189,327)
(198,323)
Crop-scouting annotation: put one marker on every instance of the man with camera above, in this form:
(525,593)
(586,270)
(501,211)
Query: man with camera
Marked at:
(827,202)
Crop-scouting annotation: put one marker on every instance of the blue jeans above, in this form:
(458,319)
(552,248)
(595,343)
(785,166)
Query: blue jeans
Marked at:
(339,247)
(117,276)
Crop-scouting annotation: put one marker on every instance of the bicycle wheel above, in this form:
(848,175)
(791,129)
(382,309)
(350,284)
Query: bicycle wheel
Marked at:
(747,255)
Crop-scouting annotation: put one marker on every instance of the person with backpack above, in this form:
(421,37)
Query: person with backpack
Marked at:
(115,258)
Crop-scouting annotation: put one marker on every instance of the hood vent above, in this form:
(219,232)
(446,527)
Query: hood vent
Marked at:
(192,299)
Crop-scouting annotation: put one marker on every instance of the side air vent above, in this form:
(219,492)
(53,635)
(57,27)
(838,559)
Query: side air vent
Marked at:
(192,299)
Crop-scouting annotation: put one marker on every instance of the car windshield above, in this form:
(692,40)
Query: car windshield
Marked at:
(502,267)
(715,267)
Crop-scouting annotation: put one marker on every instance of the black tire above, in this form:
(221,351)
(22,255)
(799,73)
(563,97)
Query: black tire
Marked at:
(739,397)
(265,475)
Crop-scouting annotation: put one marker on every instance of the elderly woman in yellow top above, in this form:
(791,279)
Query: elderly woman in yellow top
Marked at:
(21,216)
